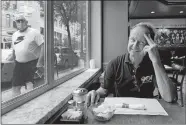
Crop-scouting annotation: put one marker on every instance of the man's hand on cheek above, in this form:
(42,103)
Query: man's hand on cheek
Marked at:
(151,49)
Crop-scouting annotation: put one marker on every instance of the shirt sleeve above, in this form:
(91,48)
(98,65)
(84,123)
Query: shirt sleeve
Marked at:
(39,38)
(109,77)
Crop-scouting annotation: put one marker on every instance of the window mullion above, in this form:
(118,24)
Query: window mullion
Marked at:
(88,33)
(49,42)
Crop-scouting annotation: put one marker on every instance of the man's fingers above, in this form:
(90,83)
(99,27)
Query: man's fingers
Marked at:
(97,98)
(93,97)
(146,49)
(90,98)
(87,100)
(149,40)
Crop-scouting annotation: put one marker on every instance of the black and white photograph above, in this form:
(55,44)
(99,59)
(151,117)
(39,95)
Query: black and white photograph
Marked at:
(93,62)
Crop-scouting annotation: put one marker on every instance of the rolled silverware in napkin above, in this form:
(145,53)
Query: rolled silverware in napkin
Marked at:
(131,106)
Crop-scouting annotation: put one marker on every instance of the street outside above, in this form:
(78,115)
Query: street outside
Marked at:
(39,81)
(7,70)
(6,86)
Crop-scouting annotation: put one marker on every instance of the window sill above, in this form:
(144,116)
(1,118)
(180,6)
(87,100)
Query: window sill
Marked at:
(40,109)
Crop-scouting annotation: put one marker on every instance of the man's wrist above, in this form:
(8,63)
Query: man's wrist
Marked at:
(102,92)
(10,59)
(157,64)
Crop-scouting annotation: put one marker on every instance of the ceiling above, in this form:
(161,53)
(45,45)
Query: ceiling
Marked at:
(140,9)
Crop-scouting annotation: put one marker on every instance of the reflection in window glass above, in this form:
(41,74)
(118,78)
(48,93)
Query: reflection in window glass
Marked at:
(70,40)
(23,71)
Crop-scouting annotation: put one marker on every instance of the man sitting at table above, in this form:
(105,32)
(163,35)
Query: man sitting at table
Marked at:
(136,73)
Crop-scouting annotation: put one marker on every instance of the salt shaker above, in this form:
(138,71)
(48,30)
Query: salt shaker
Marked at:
(71,104)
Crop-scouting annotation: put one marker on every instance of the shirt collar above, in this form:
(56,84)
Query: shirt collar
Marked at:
(127,59)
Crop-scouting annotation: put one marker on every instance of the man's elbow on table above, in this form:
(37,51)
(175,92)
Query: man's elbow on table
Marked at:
(170,98)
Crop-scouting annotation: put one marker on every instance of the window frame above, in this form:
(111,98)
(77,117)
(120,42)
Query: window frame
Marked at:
(50,82)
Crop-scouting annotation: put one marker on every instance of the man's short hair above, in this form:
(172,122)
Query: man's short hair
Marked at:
(147,25)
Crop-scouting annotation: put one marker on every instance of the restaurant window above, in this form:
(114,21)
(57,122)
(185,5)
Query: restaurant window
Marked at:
(70,58)
(68,61)
(7,68)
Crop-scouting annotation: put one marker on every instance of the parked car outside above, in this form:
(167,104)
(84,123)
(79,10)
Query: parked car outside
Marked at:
(7,67)
(66,57)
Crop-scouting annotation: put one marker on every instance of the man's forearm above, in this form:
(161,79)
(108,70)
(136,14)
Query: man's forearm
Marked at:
(11,57)
(165,85)
(41,57)
(102,92)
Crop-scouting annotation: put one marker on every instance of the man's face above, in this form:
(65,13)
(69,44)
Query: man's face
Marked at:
(137,41)
(21,24)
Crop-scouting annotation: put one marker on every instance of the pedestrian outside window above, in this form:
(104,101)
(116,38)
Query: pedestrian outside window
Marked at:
(27,52)
(26,74)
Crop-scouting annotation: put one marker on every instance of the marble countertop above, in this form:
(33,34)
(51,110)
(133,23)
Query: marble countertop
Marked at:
(43,107)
